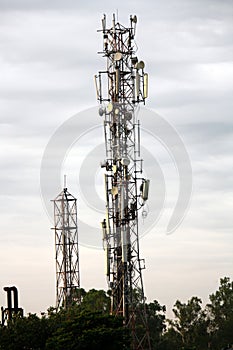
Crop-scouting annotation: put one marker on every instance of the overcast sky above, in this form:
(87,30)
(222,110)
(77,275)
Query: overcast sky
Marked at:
(48,56)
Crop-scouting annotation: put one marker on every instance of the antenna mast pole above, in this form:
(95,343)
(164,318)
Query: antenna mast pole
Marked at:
(120,89)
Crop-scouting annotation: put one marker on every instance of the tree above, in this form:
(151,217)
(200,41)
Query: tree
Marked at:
(68,329)
(82,326)
(190,323)
(171,339)
(25,333)
(96,301)
(88,325)
(156,322)
(90,331)
(220,314)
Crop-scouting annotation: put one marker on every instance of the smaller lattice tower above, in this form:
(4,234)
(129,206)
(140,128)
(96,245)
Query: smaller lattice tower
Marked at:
(67,252)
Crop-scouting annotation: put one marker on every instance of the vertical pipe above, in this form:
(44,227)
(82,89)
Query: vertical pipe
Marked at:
(64,252)
(107,262)
(122,202)
(137,85)
(9,302)
(15,293)
(3,315)
(104,23)
(96,87)
(145,85)
(117,81)
(139,138)
(113,23)
(124,244)
(100,89)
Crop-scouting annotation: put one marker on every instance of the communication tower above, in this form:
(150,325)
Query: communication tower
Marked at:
(66,247)
(120,88)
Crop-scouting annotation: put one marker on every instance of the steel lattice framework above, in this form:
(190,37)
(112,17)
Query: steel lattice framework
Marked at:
(120,88)
(67,253)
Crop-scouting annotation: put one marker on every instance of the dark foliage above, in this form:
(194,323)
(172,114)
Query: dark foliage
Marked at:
(88,326)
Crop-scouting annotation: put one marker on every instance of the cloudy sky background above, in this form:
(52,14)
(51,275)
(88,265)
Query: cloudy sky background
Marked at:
(48,56)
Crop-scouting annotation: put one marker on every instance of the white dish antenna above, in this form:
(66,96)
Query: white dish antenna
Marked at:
(118,56)
(125,161)
(140,65)
(110,107)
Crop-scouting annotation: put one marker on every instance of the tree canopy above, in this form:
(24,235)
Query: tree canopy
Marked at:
(88,325)
(198,328)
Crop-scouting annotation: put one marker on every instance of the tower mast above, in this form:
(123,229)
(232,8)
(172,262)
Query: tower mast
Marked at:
(120,89)
(66,247)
